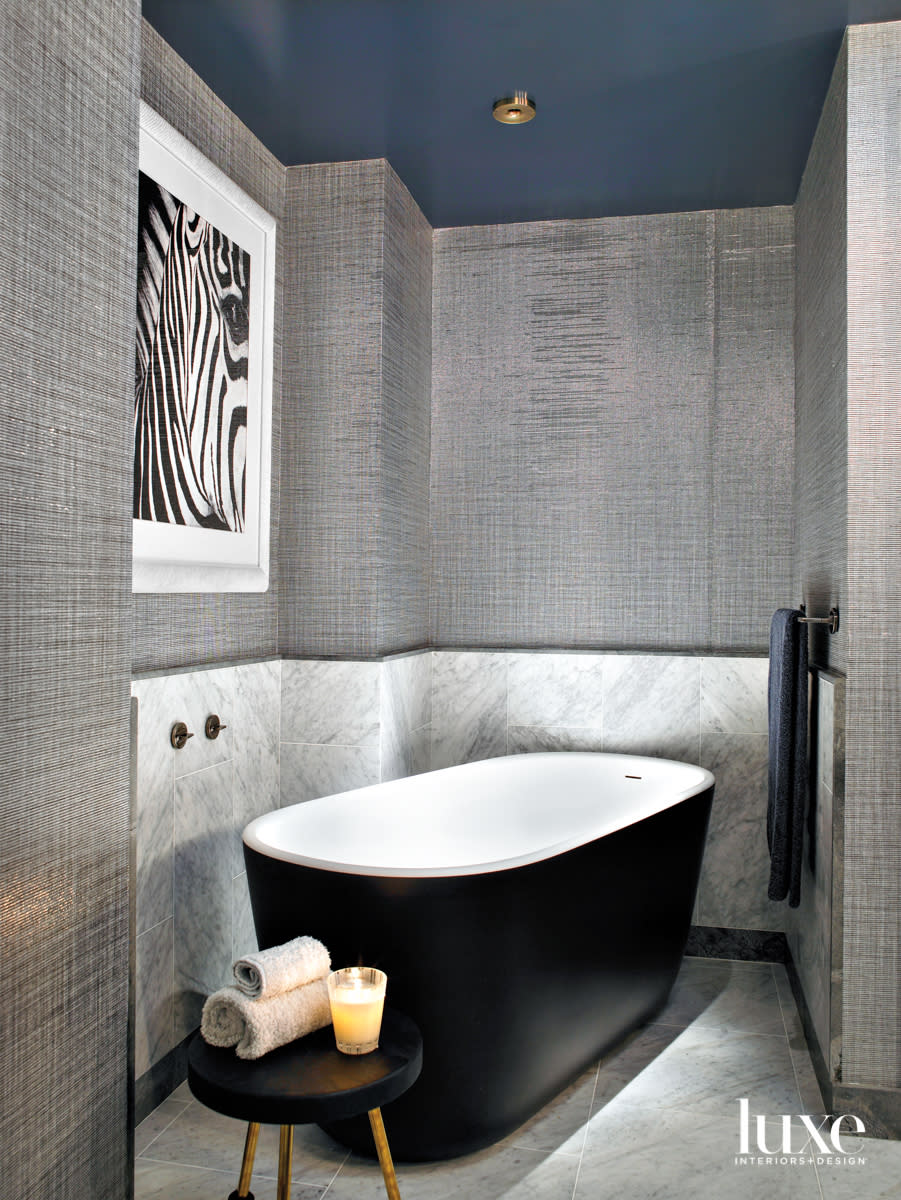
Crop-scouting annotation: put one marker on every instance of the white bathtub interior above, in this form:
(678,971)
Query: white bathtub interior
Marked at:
(486,816)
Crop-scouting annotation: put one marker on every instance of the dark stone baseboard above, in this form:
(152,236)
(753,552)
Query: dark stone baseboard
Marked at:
(152,1088)
(746,945)
(878,1108)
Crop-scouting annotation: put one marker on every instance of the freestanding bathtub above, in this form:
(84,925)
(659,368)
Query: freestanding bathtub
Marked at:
(529,912)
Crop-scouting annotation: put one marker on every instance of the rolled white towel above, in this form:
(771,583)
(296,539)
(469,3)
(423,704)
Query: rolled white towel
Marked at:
(269,972)
(254,1027)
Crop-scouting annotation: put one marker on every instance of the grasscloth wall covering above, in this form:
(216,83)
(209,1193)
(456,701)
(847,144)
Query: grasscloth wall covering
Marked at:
(872,1035)
(403,584)
(821,374)
(357,365)
(182,630)
(612,432)
(68,140)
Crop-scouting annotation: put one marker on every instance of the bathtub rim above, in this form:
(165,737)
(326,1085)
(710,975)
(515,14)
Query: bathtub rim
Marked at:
(702,781)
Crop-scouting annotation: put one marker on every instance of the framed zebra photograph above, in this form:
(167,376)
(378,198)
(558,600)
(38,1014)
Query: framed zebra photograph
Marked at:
(203,374)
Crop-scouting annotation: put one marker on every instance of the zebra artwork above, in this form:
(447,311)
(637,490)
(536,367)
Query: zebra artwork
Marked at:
(191,356)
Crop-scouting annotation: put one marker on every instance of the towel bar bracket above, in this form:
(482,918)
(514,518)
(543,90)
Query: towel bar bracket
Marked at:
(831,620)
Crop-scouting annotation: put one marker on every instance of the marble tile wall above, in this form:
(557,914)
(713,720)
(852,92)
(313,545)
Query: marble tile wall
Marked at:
(192,909)
(347,724)
(708,710)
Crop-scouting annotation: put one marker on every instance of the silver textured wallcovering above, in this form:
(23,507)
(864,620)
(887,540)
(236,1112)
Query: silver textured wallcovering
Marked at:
(180,630)
(68,145)
(872,999)
(821,374)
(612,431)
(355,482)
(405,423)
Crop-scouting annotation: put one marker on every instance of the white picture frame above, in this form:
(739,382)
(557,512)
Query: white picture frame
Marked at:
(182,557)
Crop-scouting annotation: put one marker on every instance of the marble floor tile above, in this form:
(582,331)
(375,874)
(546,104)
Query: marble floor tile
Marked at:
(199,1137)
(511,1172)
(672,1155)
(621,1066)
(878,1177)
(559,1125)
(707,1071)
(165,1181)
(656,1119)
(722,994)
(159,1120)
(793,1026)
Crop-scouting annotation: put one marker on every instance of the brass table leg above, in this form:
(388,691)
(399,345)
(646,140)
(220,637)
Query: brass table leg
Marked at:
(285,1147)
(250,1149)
(381,1146)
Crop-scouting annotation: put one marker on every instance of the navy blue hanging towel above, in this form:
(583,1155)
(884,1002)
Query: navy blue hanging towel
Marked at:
(787,800)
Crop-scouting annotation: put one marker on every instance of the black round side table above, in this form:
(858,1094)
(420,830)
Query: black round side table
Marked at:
(308,1081)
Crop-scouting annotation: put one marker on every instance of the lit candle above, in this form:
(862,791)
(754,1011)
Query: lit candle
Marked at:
(357,997)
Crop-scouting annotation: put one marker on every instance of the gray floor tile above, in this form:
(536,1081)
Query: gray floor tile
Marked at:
(619,1068)
(511,1172)
(166,1181)
(878,1177)
(724,994)
(199,1137)
(707,1070)
(159,1120)
(657,1119)
(559,1125)
(672,1155)
(793,1025)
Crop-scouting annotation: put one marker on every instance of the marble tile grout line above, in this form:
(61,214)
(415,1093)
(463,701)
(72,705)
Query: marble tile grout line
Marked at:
(594,1092)
(168,1124)
(336,1174)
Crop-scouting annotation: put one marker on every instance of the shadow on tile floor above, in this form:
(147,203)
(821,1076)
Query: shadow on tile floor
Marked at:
(656,1119)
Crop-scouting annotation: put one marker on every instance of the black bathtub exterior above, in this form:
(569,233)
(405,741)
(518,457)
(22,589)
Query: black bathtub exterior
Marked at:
(518,979)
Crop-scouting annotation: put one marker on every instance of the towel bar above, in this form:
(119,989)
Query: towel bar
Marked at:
(831,620)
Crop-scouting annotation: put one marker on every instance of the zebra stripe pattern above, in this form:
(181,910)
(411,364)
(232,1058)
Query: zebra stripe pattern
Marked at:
(191,354)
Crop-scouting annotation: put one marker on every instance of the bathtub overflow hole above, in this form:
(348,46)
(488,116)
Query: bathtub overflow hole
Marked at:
(633,777)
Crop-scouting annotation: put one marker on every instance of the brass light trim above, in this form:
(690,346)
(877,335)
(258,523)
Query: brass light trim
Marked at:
(515,109)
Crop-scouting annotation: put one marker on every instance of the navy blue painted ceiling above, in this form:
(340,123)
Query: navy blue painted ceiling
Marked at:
(643,105)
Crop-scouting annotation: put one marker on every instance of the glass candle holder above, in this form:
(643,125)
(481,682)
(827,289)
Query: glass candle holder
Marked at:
(357,997)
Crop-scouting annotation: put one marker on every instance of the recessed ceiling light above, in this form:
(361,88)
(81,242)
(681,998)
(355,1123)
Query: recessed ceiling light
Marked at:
(515,109)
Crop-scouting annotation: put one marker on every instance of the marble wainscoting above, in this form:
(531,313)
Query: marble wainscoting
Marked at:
(347,724)
(192,908)
(708,710)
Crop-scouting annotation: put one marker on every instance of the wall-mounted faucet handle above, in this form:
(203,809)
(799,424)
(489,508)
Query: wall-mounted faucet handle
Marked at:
(213,726)
(179,735)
